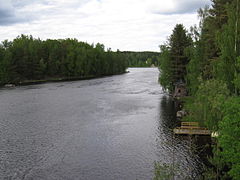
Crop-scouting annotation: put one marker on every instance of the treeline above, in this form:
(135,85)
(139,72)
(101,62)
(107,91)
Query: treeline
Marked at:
(207,60)
(141,59)
(26,58)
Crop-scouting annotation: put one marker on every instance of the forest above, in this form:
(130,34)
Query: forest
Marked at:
(141,59)
(207,59)
(28,59)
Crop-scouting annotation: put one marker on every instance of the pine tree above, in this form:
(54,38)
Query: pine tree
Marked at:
(173,60)
(179,41)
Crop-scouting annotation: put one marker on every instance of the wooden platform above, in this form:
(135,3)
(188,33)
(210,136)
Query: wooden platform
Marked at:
(191,128)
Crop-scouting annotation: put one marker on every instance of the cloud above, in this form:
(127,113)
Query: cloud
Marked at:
(21,11)
(176,6)
(119,24)
(11,14)
(7,13)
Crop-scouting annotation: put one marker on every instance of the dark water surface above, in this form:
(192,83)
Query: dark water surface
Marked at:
(107,128)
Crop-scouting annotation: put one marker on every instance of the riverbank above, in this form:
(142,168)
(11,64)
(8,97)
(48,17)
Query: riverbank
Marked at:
(62,79)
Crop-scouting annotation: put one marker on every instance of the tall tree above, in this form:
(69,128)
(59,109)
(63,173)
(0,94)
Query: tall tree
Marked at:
(228,42)
(173,60)
(179,41)
(165,76)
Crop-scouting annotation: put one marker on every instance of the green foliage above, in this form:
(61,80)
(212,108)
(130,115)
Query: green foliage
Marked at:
(236,80)
(226,153)
(194,67)
(26,58)
(206,105)
(173,60)
(163,172)
(141,59)
(149,62)
(229,139)
(228,42)
(213,70)
(213,81)
(219,11)
(178,42)
(219,168)
(165,77)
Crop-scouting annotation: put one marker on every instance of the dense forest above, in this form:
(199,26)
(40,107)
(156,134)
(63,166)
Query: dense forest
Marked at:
(207,59)
(25,59)
(141,59)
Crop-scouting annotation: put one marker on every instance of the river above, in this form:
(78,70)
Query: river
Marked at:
(107,128)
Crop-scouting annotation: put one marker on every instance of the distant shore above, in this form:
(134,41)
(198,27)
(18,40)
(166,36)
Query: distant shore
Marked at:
(60,79)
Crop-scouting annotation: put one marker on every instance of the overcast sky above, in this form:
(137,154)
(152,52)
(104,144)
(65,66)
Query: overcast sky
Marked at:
(135,25)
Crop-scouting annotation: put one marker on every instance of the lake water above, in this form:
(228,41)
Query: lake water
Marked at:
(107,128)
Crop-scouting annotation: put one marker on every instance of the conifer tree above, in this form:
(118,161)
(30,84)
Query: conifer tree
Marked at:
(173,60)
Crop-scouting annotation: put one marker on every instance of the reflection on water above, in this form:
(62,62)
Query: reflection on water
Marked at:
(182,154)
(107,128)
(167,112)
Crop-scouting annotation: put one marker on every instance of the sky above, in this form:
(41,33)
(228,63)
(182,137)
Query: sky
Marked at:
(134,25)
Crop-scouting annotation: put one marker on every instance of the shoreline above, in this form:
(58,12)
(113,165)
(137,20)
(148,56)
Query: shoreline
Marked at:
(53,80)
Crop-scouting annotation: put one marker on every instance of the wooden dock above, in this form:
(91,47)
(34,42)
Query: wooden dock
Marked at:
(191,128)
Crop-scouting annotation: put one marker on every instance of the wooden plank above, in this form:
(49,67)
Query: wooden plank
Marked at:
(189,124)
(181,131)
(191,127)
